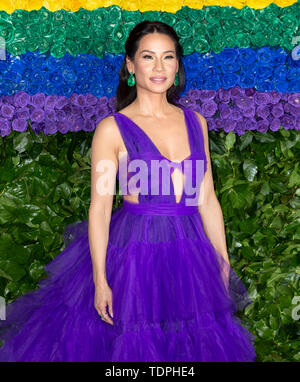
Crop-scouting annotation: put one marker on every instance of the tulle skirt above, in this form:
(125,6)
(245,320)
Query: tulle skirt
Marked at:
(174,298)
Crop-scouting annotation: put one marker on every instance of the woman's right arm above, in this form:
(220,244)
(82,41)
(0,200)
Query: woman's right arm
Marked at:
(104,151)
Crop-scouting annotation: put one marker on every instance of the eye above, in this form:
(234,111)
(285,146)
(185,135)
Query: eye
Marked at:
(147,55)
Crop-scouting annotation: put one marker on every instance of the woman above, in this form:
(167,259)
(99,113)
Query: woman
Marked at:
(164,288)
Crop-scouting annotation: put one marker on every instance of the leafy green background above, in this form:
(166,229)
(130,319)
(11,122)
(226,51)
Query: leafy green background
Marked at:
(45,185)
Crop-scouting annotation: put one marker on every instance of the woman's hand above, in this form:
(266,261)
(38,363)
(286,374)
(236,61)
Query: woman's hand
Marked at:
(103,297)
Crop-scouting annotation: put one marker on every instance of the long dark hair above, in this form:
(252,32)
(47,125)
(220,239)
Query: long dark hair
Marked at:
(127,94)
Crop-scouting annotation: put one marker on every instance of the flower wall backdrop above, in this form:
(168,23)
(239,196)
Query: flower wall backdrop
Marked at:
(61,75)
(59,68)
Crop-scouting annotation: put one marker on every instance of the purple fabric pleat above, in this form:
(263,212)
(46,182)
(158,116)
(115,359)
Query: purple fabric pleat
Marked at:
(175,297)
(159,209)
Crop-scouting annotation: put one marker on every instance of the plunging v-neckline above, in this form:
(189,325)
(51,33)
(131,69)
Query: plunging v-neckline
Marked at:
(152,143)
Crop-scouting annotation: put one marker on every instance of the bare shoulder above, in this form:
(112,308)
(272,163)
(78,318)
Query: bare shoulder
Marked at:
(107,125)
(107,132)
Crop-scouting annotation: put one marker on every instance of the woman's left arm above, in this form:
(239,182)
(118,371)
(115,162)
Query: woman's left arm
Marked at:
(209,206)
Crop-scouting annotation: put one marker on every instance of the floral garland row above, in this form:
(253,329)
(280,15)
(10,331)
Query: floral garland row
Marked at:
(235,109)
(165,6)
(264,69)
(106,29)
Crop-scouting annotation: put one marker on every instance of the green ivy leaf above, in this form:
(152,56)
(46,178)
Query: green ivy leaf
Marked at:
(250,169)
(230,140)
(11,270)
(295,177)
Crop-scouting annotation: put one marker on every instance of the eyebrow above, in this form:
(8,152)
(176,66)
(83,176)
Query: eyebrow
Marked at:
(147,50)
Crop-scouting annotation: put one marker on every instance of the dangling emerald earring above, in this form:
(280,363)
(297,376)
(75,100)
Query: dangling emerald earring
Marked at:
(176,81)
(131,80)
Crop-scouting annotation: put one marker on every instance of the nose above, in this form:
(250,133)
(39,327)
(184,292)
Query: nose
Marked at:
(158,64)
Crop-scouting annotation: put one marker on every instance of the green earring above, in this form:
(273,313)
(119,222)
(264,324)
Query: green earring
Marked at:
(131,80)
(176,81)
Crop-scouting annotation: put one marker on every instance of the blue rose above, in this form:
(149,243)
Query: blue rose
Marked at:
(264,56)
(262,72)
(247,56)
(246,80)
(212,83)
(230,67)
(264,85)
(294,86)
(279,73)
(280,85)
(228,55)
(229,80)
(279,56)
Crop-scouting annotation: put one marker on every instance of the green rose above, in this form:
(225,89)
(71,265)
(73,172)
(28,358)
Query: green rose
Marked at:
(183,29)
(201,45)
(168,18)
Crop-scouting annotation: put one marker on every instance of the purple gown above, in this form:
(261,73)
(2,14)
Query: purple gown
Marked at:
(171,299)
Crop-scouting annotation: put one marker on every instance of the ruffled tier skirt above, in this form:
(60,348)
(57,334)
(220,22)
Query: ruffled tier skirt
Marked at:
(174,299)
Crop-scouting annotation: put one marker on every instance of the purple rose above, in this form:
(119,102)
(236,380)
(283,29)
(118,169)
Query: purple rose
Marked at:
(50,115)
(23,113)
(218,124)
(7,111)
(275,124)
(275,97)
(262,125)
(37,115)
(88,112)
(38,100)
(210,123)
(194,94)
(19,124)
(235,114)
(37,127)
(287,122)
(61,115)
(284,96)
(288,108)
(261,98)
(90,100)
(277,110)
(223,95)
(243,102)
(229,125)
(61,102)
(76,110)
(249,112)
(209,108)
(50,102)
(207,95)
(250,123)
(236,92)
(294,99)
(78,124)
(5,128)
(21,99)
(50,127)
(77,99)
(224,110)
(250,92)
(240,127)
(88,125)
(263,111)
(62,127)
